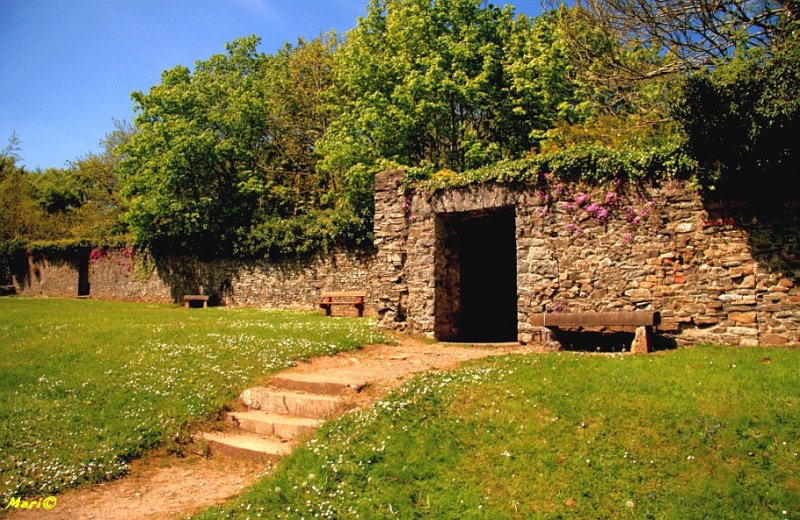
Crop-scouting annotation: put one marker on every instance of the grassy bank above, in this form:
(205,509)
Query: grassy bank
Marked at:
(85,386)
(708,432)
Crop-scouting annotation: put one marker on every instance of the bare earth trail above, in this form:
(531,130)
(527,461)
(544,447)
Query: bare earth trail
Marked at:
(169,487)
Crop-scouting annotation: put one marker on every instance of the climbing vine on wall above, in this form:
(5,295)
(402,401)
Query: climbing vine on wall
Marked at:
(591,164)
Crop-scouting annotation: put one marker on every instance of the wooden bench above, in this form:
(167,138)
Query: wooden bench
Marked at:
(189,298)
(329,299)
(641,323)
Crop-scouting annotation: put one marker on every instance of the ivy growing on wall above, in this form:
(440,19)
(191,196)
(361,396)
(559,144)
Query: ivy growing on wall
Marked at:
(591,164)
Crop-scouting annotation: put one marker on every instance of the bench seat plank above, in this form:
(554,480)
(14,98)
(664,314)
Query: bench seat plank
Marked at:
(344,295)
(188,298)
(596,319)
(354,298)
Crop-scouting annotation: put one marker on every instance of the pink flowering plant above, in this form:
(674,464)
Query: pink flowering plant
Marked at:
(595,206)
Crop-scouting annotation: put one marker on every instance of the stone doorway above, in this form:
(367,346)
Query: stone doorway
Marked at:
(476,276)
(83,275)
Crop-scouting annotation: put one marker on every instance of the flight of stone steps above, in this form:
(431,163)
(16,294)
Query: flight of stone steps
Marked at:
(289,409)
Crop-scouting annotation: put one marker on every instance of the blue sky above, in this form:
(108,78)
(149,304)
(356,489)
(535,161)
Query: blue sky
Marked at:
(67,67)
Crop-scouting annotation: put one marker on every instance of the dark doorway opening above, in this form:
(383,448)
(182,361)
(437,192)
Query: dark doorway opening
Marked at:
(476,293)
(83,275)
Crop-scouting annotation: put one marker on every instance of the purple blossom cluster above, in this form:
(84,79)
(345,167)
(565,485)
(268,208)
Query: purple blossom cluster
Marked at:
(581,199)
(635,217)
(543,197)
(407,207)
(597,212)
(406,203)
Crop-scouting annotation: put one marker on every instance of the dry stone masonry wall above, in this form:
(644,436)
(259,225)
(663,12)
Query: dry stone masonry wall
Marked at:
(717,272)
(117,275)
(724,273)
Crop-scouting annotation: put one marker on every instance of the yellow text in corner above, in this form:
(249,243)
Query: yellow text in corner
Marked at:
(40,503)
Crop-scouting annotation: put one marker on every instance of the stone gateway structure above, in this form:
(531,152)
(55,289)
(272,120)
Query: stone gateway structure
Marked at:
(484,261)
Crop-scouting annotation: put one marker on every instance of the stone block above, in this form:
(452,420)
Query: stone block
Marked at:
(743,317)
(774,339)
(641,341)
(706,320)
(743,331)
(637,295)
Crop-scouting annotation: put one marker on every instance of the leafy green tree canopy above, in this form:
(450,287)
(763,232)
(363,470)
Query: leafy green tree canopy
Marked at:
(192,171)
(742,122)
(452,83)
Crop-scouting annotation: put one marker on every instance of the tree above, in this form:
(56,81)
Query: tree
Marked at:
(228,148)
(435,83)
(652,42)
(9,155)
(741,122)
(99,215)
(688,34)
(191,172)
(21,217)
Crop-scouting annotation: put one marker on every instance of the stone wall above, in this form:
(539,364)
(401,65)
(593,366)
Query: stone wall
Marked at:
(48,277)
(117,275)
(725,273)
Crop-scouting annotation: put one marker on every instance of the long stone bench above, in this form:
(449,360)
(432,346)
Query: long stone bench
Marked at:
(641,323)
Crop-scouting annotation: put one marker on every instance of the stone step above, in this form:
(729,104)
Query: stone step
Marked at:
(273,424)
(292,403)
(318,384)
(247,446)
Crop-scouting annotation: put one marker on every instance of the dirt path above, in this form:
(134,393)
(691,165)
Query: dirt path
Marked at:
(169,487)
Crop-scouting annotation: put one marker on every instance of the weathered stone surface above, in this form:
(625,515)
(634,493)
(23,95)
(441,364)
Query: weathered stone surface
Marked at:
(704,275)
(312,406)
(247,446)
(743,317)
(290,284)
(774,339)
(641,341)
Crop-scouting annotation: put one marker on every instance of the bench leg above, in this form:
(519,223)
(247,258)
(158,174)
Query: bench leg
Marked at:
(360,308)
(641,340)
(547,339)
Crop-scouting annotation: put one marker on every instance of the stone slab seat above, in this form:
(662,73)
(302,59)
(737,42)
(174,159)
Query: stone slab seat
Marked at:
(188,299)
(247,445)
(639,322)
(273,424)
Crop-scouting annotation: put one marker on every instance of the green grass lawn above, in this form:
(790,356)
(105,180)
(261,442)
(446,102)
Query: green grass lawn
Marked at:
(706,432)
(86,386)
